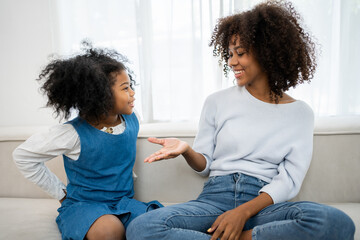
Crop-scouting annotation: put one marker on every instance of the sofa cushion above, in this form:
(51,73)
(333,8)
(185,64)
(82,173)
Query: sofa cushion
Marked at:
(28,218)
(35,218)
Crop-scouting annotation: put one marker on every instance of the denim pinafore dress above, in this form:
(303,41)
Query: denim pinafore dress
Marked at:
(100,182)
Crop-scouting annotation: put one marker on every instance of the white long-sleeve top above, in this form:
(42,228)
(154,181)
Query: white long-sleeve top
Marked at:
(31,155)
(272,142)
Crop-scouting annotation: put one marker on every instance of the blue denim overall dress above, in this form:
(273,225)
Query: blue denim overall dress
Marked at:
(100,182)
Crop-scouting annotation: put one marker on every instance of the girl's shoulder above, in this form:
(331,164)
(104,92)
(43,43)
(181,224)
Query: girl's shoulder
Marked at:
(63,133)
(57,140)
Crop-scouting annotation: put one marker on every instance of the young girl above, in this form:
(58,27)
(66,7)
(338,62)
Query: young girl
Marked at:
(254,140)
(98,146)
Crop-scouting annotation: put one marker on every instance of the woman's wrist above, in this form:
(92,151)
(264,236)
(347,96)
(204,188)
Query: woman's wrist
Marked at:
(196,160)
(187,149)
(245,211)
(255,205)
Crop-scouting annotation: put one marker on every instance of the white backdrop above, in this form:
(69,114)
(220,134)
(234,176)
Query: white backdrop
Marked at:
(25,42)
(167,42)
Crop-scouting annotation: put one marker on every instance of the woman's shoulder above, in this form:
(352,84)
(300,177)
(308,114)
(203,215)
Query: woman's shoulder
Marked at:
(301,113)
(304,108)
(223,93)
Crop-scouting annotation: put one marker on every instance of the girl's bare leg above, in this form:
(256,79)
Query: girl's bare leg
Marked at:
(106,227)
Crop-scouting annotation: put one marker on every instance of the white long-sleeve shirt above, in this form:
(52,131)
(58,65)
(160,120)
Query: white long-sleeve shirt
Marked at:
(31,155)
(273,142)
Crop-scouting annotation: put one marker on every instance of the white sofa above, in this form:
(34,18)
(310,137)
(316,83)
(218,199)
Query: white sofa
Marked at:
(26,212)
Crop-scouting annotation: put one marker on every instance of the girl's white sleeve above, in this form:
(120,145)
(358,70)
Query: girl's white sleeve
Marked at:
(41,147)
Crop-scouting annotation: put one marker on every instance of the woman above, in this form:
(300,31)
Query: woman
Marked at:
(254,141)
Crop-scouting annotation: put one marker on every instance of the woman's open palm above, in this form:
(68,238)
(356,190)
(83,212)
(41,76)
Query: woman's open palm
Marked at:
(172,147)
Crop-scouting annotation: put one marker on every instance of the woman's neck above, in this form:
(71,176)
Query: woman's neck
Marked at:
(263,93)
(260,91)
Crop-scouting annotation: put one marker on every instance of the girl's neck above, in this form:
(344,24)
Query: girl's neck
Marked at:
(109,121)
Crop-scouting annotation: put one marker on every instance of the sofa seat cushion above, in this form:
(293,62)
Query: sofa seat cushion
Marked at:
(28,218)
(35,218)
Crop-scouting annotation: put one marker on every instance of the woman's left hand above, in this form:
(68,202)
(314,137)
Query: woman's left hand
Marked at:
(229,225)
(172,147)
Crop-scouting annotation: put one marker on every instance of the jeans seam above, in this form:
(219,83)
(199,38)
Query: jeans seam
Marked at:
(235,192)
(181,229)
(281,209)
(192,215)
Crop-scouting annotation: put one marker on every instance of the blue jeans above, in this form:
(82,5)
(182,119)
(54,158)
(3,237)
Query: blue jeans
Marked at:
(288,220)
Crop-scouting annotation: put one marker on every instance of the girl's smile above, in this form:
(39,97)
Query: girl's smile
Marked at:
(123,94)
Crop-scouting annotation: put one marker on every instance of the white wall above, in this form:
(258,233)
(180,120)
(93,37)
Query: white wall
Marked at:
(25,44)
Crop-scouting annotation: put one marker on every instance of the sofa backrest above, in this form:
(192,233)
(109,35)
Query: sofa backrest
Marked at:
(333,175)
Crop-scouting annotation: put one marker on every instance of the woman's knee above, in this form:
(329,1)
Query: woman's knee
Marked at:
(141,227)
(331,221)
(344,225)
(145,221)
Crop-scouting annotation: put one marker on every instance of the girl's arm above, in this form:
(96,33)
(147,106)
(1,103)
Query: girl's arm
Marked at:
(39,148)
(173,147)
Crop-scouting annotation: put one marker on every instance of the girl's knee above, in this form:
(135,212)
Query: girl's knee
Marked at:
(107,227)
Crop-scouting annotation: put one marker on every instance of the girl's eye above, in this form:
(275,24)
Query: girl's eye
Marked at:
(126,88)
(241,53)
(131,86)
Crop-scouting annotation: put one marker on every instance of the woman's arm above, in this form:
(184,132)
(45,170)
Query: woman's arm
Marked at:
(173,147)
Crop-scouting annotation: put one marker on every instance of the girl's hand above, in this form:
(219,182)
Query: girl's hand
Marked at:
(61,200)
(172,147)
(229,225)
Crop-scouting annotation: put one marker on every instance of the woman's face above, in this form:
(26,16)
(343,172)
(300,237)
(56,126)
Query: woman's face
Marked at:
(245,67)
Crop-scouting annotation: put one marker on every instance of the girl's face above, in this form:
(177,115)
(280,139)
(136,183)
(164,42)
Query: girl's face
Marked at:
(123,94)
(245,67)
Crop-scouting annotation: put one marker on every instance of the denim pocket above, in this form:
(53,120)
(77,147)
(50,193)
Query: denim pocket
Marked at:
(209,181)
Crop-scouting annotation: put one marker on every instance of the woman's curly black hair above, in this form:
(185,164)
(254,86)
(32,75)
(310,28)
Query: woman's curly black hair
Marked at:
(84,82)
(271,31)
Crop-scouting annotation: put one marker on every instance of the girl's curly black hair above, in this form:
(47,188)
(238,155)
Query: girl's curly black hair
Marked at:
(84,82)
(273,34)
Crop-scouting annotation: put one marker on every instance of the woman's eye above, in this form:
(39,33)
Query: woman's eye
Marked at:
(241,53)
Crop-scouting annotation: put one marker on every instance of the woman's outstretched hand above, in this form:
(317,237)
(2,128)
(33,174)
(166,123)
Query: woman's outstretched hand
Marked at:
(172,147)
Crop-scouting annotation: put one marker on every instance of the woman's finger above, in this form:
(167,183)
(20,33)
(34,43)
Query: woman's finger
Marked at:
(217,234)
(156,140)
(156,157)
